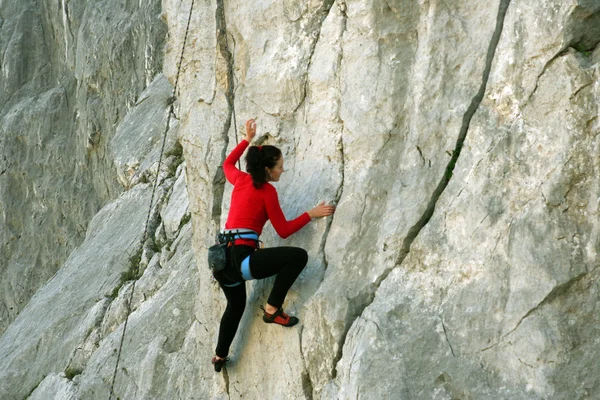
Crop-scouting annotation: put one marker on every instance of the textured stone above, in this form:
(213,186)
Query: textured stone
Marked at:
(70,72)
(54,387)
(146,121)
(67,321)
(177,208)
(156,333)
(61,315)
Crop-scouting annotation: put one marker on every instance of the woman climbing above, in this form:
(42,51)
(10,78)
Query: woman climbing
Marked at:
(254,201)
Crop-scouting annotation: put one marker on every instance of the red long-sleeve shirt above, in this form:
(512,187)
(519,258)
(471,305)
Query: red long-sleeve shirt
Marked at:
(250,207)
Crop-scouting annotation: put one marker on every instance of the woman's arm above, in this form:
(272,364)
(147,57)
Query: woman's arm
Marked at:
(231,172)
(283,227)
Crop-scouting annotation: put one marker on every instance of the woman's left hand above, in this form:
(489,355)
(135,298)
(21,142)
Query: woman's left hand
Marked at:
(321,210)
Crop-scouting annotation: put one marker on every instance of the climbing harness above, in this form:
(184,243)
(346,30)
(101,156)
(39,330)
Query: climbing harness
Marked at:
(162,150)
(217,254)
(217,258)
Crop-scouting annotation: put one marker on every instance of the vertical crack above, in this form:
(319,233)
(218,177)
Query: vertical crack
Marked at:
(336,200)
(219,179)
(325,8)
(446,336)
(223,50)
(307,386)
(340,145)
(226,379)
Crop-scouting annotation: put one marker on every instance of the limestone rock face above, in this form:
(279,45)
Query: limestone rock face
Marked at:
(70,71)
(460,142)
(470,120)
(77,317)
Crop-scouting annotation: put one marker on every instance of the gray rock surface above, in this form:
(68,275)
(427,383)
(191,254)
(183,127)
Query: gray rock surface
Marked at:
(368,101)
(70,72)
(460,143)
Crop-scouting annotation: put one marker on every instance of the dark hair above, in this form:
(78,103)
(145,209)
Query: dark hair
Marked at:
(257,159)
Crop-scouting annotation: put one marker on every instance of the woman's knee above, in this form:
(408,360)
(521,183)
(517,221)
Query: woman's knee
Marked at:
(300,257)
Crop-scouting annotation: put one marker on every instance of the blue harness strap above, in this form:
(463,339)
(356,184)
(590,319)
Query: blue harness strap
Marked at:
(233,284)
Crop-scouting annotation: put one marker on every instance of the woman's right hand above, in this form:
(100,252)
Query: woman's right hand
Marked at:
(250,130)
(322,210)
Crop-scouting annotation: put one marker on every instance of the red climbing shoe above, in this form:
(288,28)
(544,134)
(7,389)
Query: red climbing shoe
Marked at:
(219,363)
(279,317)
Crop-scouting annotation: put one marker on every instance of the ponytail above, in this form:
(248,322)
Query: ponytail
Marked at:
(257,159)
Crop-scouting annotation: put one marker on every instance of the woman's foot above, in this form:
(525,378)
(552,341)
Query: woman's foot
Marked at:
(219,362)
(278,316)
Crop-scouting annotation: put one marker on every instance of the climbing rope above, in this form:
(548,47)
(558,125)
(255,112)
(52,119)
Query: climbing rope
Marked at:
(145,236)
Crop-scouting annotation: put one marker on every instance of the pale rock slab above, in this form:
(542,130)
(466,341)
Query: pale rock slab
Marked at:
(62,315)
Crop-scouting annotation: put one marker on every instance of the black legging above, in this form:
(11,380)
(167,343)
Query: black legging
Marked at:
(285,262)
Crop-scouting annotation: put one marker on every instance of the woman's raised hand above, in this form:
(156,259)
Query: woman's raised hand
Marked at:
(321,210)
(250,130)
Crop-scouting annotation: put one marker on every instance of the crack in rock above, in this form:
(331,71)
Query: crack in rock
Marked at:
(467,117)
(340,189)
(307,385)
(226,379)
(556,292)
(223,46)
(446,336)
(336,200)
(325,9)
(561,53)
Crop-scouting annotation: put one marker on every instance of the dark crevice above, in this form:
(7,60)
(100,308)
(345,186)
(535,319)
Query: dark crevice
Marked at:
(324,12)
(335,201)
(35,387)
(219,179)
(340,189)
(524,363)
(561,53)
(446,336)
(226,379)
(307,386)
(356,306)
(421,154)
(582,31)
(580,89)
(582,36)
(223,50)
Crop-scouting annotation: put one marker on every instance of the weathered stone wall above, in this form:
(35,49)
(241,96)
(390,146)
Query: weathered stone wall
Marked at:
(70,71)
(374,104)
(460,143)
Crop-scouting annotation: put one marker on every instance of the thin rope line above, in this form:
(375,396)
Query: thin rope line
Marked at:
(145,236)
